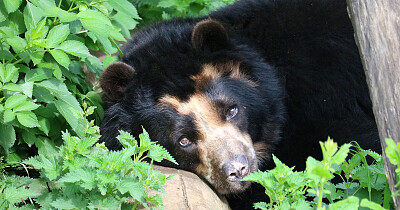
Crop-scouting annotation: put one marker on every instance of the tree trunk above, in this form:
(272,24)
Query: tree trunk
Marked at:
(377,33)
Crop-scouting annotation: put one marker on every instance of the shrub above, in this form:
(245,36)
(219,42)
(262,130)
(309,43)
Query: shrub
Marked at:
(81,174)
(288,189)
(43,44)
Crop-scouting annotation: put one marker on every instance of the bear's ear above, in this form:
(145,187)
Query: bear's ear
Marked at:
(115,78)
(209,36)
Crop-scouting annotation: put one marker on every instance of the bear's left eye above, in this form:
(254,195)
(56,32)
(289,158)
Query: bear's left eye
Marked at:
(231,112)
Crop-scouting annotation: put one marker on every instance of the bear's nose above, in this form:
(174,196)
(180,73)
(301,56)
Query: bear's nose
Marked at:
(236,169)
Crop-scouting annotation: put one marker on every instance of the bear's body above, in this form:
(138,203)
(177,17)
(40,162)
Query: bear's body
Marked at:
(224,92)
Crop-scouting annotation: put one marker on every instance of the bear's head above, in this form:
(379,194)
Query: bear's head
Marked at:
(209,99)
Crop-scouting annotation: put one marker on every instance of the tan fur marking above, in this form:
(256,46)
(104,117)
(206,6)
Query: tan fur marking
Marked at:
(211,72)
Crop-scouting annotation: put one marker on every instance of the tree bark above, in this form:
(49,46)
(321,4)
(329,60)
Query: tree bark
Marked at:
(377,33)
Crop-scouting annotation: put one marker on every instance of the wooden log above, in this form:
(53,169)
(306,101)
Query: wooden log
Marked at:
(377,33)
(187,191)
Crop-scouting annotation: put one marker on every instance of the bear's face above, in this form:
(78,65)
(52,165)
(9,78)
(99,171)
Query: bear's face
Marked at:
(212,116)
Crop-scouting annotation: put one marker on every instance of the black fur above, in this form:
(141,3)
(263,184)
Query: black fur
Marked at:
(301,53)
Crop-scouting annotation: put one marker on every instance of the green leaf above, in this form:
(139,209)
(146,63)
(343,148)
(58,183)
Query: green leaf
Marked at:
(64,16)
(27,88)
(12,5)
(57,35)
(158,153)
(124,6)
(16,21)
(7,136)
(66,103)
(134,187)
(26,106)
(14,101)
(17,43)
(3,12)
(32,15)
(37,56)
(16,195)
(29,137)
(12,87)
(44,125)
(391,152)
(75,48)
(349,203)
(48,163)
(8,73)
(8,116)
(39,30)
(371,205)
(61,57)
(341,155)
(95,22)
(39,74)
(27,119)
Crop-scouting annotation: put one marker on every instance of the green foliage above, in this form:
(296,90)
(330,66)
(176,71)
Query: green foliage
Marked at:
(82,174)
(364,185)
(43,45)
(154,10)
(393,154)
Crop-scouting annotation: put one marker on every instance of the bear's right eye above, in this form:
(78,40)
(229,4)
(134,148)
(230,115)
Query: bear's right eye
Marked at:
(184,142)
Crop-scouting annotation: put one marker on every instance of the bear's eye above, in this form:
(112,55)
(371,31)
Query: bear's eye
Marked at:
(231,112)
(184,142)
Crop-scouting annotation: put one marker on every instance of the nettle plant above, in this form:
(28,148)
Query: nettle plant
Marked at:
(81,174)
(43,45)
(363,184)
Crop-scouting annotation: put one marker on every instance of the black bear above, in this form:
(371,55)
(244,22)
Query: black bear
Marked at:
(223,92)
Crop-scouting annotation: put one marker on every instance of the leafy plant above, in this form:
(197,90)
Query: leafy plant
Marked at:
(393,154)
(43,44)
(82,174)
(361,181)
(154,10)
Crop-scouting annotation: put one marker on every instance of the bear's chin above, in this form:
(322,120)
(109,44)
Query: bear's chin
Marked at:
(234,187)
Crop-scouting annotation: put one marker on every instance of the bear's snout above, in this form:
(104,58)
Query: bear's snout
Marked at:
(236,169)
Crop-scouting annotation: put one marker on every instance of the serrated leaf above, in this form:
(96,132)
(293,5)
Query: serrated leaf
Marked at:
(158,153)
(64,16)
(37,56)
(48,164)
(27,119)
(7,136)
(12,87)
(3,12)
(16,195)
(61,57)
(57,35)
(124,6)
(17,43)
(134,187)
(75,48)
(39,74)
(32,15)
(126,139)
(341,155)
(14,101)
(26,106)
(95,22)
(86,177)
(39,30)
(8,73)
(44,125)
(8,116)
(66,103)
(12,5)
(28,137)
(27,88)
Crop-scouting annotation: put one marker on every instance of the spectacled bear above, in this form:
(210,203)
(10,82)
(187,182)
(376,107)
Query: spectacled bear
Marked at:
(223,92)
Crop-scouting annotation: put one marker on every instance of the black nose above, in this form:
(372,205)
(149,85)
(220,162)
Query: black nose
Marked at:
(236,169)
